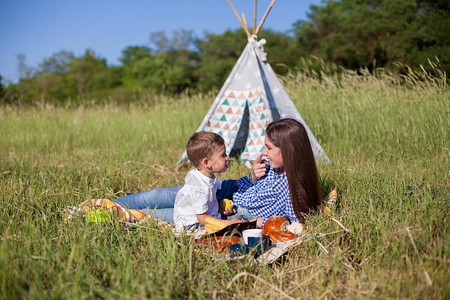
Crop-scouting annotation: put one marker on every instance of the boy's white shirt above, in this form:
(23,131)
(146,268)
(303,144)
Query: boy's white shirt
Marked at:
(197,196)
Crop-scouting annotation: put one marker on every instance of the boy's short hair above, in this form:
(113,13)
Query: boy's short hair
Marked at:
(202,145)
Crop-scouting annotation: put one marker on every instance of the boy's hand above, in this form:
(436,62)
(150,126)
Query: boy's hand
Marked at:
(227,211)
(259,169)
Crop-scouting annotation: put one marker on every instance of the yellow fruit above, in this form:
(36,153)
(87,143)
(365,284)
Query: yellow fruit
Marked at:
(226,203)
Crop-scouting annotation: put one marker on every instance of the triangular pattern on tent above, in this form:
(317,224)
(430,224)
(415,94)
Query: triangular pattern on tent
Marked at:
(226,120)
(251,98)
(260,117)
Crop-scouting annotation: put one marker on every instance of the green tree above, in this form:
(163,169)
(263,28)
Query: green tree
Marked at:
(130,56)
(356,33)
(52,76)
(58,63)
(167,68)
(434,31)
(91,73)
(160,74)
(178,52)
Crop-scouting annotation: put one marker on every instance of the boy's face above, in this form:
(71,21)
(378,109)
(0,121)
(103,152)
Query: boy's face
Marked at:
(218,163)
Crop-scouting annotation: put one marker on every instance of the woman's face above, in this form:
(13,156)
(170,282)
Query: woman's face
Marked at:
(273,154)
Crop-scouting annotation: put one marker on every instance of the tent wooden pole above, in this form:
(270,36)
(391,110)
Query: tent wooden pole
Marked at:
(242,23)
(254,20)
(245,21)
(265,15)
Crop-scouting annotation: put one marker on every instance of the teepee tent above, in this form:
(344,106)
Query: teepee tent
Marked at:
(251,98)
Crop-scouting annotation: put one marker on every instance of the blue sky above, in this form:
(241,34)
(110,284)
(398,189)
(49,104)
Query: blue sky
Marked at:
(40,28)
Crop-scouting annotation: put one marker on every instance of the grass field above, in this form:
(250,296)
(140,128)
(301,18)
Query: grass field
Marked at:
(389,146)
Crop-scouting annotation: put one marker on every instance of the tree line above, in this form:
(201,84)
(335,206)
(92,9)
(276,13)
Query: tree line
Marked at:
(351,33)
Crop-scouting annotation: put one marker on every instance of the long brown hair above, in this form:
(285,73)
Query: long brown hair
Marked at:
(298,159)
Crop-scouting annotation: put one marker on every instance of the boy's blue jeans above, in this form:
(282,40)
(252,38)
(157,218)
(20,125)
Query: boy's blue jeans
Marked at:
(160,202)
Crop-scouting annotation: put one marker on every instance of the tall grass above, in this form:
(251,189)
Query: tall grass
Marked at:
(387,138)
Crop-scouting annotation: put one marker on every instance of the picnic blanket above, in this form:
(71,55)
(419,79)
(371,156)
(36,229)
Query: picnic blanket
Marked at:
(104,210)
(107,211)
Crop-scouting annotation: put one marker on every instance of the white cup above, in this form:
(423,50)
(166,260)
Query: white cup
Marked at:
(251,233)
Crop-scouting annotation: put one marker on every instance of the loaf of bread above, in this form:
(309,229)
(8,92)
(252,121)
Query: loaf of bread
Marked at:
(280,236)
(296,228)
(279,229)
(276,223)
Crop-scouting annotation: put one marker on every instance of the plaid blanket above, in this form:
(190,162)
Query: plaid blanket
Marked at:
(104,210)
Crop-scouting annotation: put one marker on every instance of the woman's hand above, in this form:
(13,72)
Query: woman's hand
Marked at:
(259,169)
(259,221)
(235,220)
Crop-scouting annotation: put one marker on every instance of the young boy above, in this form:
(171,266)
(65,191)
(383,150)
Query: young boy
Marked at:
(197,198)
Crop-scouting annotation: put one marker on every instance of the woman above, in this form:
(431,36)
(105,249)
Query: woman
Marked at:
(287,184)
